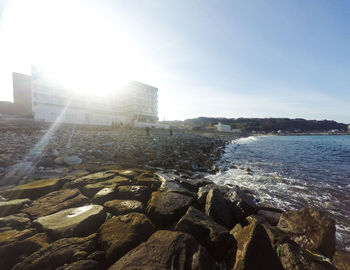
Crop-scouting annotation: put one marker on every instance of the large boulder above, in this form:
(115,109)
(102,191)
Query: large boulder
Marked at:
(70,222)
(169,184)
(166,250)
(89,179)
(11,236)
(17,221)
(311,229)
(105,194)
(217,208)
(61,252)
(203,193)
(120,234)
(139,193)
(294,258)
(166,207)
(56,201)
(91,189)
(148,179)
(12,206)
(33,190)
(15,251)
(254,250)
(122,207)
(214,237)
(240,203)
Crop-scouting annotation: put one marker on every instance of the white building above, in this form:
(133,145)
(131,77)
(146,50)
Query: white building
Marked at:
(46,100)
(226,128)
(223,128)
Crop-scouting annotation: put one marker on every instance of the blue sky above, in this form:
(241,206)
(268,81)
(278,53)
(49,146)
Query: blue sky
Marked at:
(223,58)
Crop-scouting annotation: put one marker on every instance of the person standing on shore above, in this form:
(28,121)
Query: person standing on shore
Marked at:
(147,131)
(171,131)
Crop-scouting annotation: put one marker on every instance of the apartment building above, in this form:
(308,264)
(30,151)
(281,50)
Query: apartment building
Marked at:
(46,100)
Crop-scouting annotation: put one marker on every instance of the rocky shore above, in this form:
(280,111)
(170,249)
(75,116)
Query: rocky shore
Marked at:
(40,152)
(122,200)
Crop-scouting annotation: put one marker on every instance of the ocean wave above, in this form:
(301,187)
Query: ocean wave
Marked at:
(245,140)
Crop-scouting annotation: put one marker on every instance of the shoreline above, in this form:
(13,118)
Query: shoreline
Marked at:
(174,201)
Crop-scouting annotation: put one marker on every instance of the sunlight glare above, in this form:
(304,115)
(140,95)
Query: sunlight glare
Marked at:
(74,44)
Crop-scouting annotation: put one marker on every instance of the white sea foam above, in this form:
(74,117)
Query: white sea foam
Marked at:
(245,140)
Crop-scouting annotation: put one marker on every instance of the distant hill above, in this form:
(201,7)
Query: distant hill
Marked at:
(269,124)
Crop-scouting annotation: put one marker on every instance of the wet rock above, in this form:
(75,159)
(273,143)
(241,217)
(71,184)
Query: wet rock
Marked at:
(254,250)
(138,193)
(14,252)
(193,185)
(214,237)
(271,216)
(17,221)
(217,208)
(341,260)
(105,194)
(11,236)
(166,207)
(311,229)
(170,184)
(72,160)
(12,207)
(122,207)
(79,221)
(89,179)
(33,190)
(203,192)
(91,189)
(148,179)
(120,234)
(166,250)
(276,236)
(293,257)
(58,253)
(56,201)
(240,203)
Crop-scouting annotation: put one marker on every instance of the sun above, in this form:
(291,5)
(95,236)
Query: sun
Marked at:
(74,44)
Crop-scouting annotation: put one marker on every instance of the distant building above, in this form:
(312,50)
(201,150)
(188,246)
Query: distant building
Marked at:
(47,100)
(223,128)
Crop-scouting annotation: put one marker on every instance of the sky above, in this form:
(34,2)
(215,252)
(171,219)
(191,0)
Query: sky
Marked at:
(236,58)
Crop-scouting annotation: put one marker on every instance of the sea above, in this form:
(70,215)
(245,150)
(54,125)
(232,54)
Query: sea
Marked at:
(291,172)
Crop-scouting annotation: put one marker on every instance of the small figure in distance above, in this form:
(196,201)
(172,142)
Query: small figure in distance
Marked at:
(171,131)
(147,131)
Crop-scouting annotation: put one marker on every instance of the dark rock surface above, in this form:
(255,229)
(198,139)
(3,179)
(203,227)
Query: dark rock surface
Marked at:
(166,207)
(122,207)
(59,253)
(254,250)
(17,221)
(217,208)
(120,234)
(341,260)
(33,190)
(240,203)
(214,237)
(311,229)
(166,250)
(56,201)
(293,257)
(12,206)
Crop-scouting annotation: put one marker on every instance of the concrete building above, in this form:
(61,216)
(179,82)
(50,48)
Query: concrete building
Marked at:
(47,100)
(223,128)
